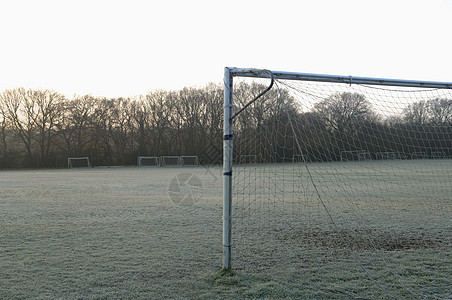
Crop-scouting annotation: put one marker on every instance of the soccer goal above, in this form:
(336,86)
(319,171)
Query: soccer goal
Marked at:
(148,161)
(170,161)
(189,160)
(390,155)
(78,162)
(296,158)
(439,155)
(355,155)
(357,228)
(419,155)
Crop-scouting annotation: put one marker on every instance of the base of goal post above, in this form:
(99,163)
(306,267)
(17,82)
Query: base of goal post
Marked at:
(78,162)
(148,161)
(189,160)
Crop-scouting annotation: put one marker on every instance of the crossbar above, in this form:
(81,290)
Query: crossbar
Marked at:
(262,73)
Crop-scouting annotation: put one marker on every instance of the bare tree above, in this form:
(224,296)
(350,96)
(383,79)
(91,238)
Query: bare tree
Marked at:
(434,112)
(140,115)
(121,129)
(212,95)
(192,113)
(45,113)
(3,134)
(416,113)
(341,112)
(102,127)
(440,111)
(18,108)
(75,124)
(162,122)
(32,114)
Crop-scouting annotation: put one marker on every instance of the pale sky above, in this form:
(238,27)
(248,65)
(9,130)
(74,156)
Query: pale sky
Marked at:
(125,48)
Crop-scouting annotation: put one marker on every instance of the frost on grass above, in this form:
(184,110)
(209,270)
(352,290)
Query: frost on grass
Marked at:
(362,240)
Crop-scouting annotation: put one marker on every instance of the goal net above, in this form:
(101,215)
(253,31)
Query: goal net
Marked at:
(148,161)
(351,194)
(189,160)
(170,161)
(78,162)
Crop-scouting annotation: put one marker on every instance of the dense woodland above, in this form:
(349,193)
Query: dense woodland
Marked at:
(42,128)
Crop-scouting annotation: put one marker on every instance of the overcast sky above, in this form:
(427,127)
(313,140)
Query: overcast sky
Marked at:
(125,48)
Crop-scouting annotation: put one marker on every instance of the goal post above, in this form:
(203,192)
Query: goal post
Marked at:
(297,206)
(148,161)
(78,162)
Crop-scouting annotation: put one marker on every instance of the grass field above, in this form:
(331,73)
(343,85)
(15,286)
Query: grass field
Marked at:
(125,233)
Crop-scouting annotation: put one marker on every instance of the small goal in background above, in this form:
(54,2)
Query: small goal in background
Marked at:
(148,161)
(355,155)
(78,162)
(189,160)
(170,161)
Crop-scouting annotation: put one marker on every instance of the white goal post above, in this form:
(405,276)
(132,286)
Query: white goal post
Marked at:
(148,161)
(319,204)
(78,162)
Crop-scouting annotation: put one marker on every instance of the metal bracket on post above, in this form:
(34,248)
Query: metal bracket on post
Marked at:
(258,96)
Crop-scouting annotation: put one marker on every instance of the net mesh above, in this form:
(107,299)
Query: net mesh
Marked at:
(344,187)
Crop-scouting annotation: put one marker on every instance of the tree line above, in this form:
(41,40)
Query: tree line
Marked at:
(42,128)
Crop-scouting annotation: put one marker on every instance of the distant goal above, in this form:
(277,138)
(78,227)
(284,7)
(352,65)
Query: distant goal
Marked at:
(170,161)
(148,161)
(189,160)
(78,162)
(355,155)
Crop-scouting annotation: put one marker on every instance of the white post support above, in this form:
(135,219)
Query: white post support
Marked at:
(227,169)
